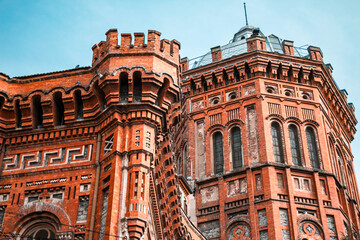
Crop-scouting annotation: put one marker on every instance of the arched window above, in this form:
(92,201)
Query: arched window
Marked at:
(37,112)
(311,77)
(236,74)
(18,114)
(79,106)
(99,93)
(162,91)
(59,118)
(236,147)
(137,86)
(204,83)
(312,147)
(341,166)
(124,87)
(277,142)
(218,153)
(295,145)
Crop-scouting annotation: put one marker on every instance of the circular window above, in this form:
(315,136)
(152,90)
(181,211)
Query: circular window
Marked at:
(215,101)
(288,93)
(306,96)
(270,90)
(232,96)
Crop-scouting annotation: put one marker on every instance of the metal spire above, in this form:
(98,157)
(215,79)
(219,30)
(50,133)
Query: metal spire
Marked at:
(245,14)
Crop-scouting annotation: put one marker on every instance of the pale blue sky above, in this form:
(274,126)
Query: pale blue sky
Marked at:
(50,35)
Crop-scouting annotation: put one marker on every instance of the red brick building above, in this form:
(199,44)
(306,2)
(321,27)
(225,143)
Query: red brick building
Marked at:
(249,141)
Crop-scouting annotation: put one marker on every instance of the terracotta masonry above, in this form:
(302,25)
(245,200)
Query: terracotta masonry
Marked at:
(249,141)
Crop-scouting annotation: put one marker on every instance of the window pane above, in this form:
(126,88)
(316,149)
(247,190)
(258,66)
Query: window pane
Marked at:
(313,151)
(218,152)
(277,142)
(236,147)
(295,145)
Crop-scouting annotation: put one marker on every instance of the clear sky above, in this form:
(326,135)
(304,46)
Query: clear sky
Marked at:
(49,35)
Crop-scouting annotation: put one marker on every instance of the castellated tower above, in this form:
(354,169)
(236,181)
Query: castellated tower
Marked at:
(78,147)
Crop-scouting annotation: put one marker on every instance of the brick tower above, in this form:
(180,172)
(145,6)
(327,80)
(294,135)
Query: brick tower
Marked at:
(78,147)
(249,141)
(265,142)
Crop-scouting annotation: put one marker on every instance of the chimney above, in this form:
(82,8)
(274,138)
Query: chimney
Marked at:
(288,47)
(216,54)
(256,41)
(184,64)
(315,53)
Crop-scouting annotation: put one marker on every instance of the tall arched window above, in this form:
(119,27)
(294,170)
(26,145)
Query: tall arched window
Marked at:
(37,112)
(124,87)
(279,72)
(59,110)
(236,148)
(290,74)
(18,114)
(301,76)
(341,166)
(185,167)
(268,70)
(137,86)
(295,145)
(277,142)
(193,86)
(218,153)
(312,147)
(79,106)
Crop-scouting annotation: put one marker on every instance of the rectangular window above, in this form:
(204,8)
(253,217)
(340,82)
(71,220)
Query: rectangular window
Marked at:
(322,187)
(331,224)
(2,215)
(262,218)
(306,211)
(104,213)
(258,182)
(264,235)
(108,144)
(83,208)
(284,217)
(280,180)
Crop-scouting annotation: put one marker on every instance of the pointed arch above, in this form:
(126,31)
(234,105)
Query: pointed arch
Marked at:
(99,93)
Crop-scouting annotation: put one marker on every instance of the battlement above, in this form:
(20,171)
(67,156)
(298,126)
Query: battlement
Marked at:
(136,44)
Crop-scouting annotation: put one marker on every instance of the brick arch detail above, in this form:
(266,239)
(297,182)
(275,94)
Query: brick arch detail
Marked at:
(41,207)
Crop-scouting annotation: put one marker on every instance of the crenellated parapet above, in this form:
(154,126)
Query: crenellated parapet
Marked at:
(137,45)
